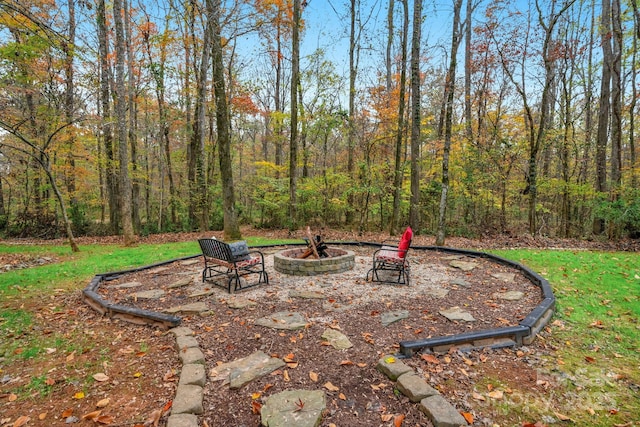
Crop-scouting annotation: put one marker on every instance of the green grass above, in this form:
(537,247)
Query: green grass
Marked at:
(596,331)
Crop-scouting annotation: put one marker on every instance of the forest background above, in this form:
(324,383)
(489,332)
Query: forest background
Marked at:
(457,117)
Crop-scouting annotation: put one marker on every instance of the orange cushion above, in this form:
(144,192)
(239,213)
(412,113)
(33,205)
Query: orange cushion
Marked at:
(405,241)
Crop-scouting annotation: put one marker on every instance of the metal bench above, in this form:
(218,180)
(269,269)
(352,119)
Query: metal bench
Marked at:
(233,262)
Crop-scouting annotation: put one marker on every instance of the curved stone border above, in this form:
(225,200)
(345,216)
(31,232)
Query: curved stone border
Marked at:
(286,262)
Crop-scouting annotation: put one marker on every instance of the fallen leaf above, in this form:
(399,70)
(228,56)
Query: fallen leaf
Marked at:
(91,416)
(42,416)
(331,387)
(256,407)
(397,420)
(361,365)
(562,417)
(13,397)
(430,358)
(100,377)
(341,396)
(289,358)
(468,416)
(105,419)
(285,376)
(346,363)
(390,359)
(103,403)
(496,394)
(137,375)
(67,413)
(256,395)
(79,395)
(590,359)
(292,365)
(313,376)
(386,417)
(154,418)
(478,396)
(49,381)
(21,421)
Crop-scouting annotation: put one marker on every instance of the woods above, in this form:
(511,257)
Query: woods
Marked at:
(134,118)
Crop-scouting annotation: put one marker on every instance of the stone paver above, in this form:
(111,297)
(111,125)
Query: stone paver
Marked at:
(151,294)
(441,412)
(188,400)
(193,374)
(287,320)
(181,283)
(506,277)
(509,295)
(456,313)
(185,342)
(295,293)
(283,410)
(181,331)
(392,367)
(393,316)
(463,265)
(182,420)
(337,339)
(239,303)
(460,282)
(414,387)
(128,285)
(196,307)
(242,371)
(191,355)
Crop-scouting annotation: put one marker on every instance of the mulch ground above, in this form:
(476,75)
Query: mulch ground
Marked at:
(357,394)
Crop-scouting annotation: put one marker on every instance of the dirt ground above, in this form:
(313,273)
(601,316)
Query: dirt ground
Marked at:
(136,368)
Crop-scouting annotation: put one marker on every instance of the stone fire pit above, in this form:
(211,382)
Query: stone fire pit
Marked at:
(288,262)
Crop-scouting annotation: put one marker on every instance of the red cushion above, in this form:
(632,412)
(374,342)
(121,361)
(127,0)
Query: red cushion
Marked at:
(405,241)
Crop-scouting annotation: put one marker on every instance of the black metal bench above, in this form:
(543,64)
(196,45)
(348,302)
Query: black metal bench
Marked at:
(233,262)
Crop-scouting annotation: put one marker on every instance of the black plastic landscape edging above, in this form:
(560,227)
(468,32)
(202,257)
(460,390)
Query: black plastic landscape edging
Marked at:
(523,333)
(123,312)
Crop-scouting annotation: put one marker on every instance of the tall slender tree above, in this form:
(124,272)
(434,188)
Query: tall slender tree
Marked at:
(416,117)
(223,125)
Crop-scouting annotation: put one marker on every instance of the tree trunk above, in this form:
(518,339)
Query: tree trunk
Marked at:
(132,134)
(231,228)
(468,58)
(111,176)
(121,121)
(448,123)
(604,108)
(414,206)
(293,140)
(197,173)
(398,163)
(354,55)
(69,102)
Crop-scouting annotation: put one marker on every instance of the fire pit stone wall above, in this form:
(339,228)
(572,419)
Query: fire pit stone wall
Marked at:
(287,262)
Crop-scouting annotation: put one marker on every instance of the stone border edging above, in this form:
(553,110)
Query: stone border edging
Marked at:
(432,403)
(188,401)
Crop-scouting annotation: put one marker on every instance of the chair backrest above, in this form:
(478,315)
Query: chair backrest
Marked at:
(405,242)
(213,248)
